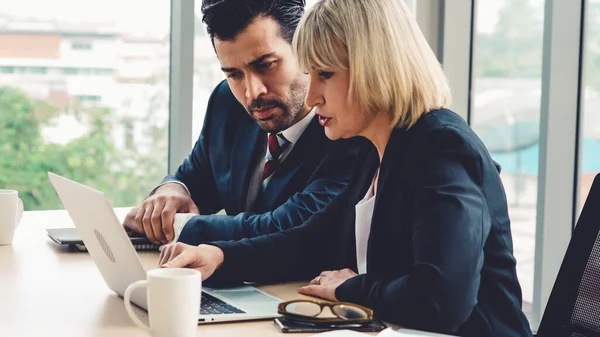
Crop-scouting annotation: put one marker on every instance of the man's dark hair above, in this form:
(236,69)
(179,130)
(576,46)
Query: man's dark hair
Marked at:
(226,19)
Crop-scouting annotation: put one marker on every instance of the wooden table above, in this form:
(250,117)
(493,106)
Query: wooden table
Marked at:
(45,290)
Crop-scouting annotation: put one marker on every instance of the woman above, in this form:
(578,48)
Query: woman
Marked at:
(422,233)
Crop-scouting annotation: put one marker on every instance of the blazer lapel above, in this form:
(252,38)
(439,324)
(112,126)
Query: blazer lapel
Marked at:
(248,146)
(308,147)
(393,150)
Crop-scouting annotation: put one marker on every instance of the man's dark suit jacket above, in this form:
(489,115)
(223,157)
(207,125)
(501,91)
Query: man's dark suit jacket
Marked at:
(439,253)
(218,171)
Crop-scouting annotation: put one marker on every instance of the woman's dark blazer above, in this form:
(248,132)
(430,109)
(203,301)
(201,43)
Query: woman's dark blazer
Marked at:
(440,255)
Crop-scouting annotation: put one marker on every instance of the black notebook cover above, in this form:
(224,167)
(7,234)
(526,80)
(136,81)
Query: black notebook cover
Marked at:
(70,236)
(288,325)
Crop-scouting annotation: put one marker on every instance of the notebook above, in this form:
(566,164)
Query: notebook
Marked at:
(71,238)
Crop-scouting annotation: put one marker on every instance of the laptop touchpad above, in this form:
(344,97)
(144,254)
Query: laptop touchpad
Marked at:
(250,300)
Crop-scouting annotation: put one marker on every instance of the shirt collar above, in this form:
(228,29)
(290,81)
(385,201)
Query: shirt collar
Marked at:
(293,133)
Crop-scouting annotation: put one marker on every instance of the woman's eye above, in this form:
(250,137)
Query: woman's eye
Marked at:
(325,74)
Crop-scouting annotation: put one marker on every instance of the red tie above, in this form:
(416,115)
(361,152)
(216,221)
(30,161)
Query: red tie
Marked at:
(273,159)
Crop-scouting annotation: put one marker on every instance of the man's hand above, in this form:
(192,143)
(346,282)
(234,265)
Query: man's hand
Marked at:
(205,258)
(324,285)
(155,216)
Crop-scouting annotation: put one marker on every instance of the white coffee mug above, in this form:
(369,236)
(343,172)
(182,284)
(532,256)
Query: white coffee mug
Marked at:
(173,301)
(11,211)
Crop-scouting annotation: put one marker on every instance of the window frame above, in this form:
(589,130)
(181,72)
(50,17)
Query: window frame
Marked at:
(181,82)
(453,39)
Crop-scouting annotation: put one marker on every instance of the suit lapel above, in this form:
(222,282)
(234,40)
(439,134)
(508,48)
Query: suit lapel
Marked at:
(309,147)
(394,149)
(249,143)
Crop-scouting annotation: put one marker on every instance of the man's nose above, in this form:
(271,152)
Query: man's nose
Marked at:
(254,87)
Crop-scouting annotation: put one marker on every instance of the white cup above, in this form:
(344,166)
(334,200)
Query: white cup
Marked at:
(11,211)
(173,302)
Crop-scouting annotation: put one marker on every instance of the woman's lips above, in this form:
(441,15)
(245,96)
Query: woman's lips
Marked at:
(324,120)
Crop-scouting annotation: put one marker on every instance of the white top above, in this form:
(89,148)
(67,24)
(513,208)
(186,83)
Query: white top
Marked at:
(362,227)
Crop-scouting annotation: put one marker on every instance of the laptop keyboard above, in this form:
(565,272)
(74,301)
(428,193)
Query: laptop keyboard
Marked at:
(211,305)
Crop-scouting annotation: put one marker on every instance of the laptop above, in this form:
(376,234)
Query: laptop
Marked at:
(118,263)
(70,237)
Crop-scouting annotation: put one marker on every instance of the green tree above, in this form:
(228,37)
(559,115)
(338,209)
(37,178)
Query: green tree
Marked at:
(139,171)
(514,48)
(22,159)
(592,47)
(25,158)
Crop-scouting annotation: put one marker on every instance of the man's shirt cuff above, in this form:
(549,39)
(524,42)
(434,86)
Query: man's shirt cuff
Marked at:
(181,219)
(171,182)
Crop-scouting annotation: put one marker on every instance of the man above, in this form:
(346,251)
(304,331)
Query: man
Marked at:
(262,155)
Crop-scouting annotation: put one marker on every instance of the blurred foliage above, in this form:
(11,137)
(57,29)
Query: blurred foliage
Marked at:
(125,175)
(514,48)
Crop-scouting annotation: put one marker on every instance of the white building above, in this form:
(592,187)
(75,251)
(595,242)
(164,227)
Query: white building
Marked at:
(90,64)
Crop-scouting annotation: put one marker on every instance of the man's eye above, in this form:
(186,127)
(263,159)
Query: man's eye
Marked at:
(234,75)
(325,74)
(265,66)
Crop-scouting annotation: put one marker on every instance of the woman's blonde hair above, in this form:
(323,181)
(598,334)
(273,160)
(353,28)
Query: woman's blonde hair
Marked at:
(392,68)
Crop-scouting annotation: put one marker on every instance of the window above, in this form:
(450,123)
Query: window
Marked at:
(7,70)
(506,112)
(89,98)
(207,71)
(88,71)
(71,125)
(81,46)
(37,70)
(103,72)
(128,137)
(590,143)
(70,71)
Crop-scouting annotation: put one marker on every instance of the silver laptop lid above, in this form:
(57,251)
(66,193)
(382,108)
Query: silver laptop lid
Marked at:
(103,235)
(118,262)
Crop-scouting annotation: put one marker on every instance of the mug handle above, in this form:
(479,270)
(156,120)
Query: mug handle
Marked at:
(130,312)
(19,211)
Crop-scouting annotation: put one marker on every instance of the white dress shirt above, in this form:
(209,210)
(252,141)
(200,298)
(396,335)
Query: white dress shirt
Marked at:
(362,227)
(291,134)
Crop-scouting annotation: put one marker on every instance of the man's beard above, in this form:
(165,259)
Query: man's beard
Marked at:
(285,113)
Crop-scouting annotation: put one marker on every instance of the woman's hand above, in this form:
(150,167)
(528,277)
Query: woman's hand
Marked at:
(204,258)
(324,285)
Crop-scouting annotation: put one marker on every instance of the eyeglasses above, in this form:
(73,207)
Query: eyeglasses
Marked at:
(308,310)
